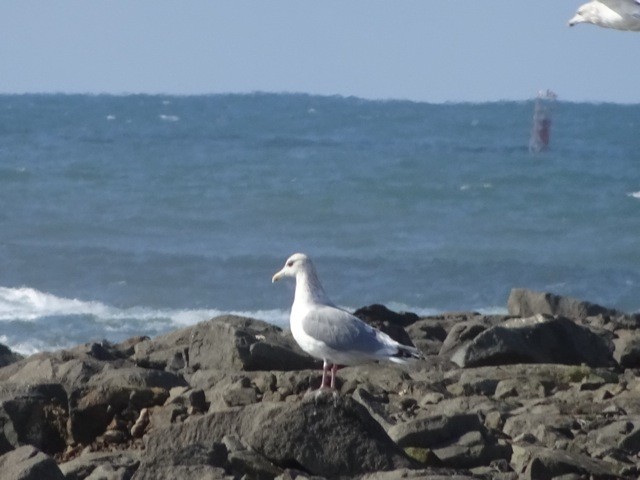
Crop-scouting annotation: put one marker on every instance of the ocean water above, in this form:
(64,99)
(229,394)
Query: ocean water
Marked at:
(135,215)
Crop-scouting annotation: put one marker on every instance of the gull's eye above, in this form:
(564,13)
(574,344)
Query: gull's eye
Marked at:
(290,263)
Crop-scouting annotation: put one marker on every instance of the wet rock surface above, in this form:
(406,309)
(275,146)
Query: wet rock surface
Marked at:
(551,390)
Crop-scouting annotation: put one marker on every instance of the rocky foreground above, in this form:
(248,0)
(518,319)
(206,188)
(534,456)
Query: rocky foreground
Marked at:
(550,391)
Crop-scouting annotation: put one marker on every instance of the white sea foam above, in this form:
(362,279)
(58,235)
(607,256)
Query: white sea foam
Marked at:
(169,118)
(467,186)
(28,304)
(28,347)
(634,194)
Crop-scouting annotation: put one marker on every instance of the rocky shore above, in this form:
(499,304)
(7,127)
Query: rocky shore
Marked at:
(551,390)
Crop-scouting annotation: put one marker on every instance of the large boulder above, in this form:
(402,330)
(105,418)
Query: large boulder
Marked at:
(33,414)
(388,321)
(324,434)
(421,474)
(466,330)
(54,398)
(537,339)
(191,461)
(28,463)
(70,367)
(526,303)
(537,463)
(114,392)
(427,334)
(101,465)
(627,348)
(7,356)
(459,440)
(225,342)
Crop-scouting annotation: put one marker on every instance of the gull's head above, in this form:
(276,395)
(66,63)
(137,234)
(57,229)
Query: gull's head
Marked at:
(298,262)
(587,13)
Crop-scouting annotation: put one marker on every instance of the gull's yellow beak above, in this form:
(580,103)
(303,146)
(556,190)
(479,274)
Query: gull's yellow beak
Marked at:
(277,277)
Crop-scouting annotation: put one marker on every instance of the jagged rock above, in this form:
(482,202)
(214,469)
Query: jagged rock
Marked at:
(323,435)
(388,321)
(182,472)
(611,434)
(527,303)
(112,391)
(442,417)
(240,395)
(427,334)
(627,348)
(377,315)
(35,415)
(136,378)
(225,342)
(7,356)
(422,474)
(522,388)
(472,449)
(389,377)
(104,465)
(546,427)
(460,441)
(53,367)
(432,431)
(28,463)
(538,463)
(188,461)
(466,330)
(538,339)
(253,465)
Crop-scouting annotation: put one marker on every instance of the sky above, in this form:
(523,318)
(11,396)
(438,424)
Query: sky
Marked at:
(420,50)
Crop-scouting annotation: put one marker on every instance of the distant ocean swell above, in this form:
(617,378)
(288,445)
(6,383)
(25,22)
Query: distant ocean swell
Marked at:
(135,215)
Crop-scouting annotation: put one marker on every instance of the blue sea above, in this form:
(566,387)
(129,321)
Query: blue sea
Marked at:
(135,215)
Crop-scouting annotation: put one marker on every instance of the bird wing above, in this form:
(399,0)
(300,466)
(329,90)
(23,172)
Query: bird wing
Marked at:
(624,7)
(339,330)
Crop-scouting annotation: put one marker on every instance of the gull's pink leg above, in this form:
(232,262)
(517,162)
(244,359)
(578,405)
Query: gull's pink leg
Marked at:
(325,367)
(334,369)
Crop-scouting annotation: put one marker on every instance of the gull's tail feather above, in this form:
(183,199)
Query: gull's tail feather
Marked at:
(405,354)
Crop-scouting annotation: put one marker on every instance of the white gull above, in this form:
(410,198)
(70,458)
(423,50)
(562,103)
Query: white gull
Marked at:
(617,14)
(329,333)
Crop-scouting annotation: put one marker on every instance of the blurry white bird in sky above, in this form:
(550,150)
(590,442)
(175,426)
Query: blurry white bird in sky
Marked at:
(617,14)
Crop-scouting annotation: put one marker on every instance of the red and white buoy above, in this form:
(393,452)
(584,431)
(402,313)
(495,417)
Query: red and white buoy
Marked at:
(541,131)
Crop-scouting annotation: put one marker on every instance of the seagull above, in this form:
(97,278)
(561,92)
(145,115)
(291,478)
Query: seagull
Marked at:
(330,333)
(617,14)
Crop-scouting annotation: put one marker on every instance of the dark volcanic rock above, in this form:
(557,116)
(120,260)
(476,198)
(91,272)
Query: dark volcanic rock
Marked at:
(537,339)
(28,463)
(7,356)
(388,321)
(379,314)
(526,303)
(326,435)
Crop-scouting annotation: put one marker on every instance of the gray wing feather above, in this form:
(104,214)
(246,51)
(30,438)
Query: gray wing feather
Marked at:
(340,330)
(629,7)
